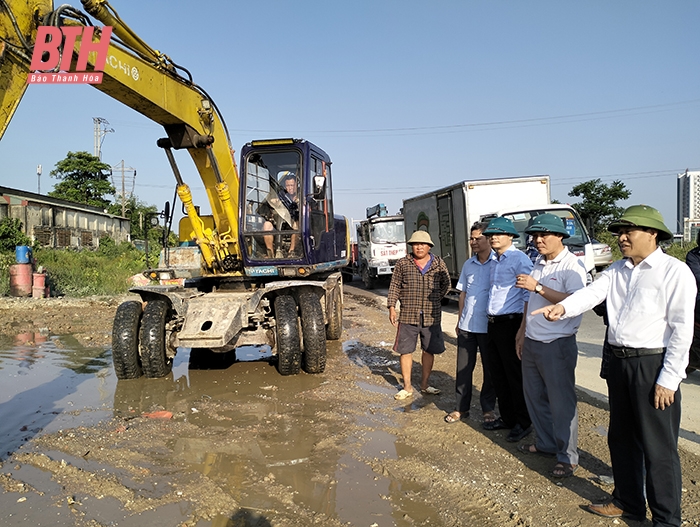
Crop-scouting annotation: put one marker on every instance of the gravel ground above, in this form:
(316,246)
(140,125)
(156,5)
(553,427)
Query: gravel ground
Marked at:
(329,449)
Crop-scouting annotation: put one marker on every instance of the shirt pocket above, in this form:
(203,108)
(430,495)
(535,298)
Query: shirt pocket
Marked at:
(648,302)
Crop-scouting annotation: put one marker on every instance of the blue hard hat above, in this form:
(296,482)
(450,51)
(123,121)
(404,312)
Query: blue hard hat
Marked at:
(501,225)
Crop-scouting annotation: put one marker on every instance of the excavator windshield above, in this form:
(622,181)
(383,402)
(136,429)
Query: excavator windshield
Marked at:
(273,184)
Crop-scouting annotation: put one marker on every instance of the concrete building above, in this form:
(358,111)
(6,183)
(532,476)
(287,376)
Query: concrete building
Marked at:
(59,223)
(688,206)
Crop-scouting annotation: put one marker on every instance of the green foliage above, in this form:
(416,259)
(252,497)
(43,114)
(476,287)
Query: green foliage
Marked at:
(6,260)
(85,273)
(598,203)
(679,250)
(84,179)
(11,234)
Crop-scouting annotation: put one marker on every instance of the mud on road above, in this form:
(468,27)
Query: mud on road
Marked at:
(245,446)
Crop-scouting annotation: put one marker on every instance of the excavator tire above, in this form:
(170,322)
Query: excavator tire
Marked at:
(334,328)
(152,340)
(288,339)
(314,332)
(125,341)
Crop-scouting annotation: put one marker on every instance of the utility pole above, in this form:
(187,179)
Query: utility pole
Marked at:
(123,169)
(38,179)
(101,129)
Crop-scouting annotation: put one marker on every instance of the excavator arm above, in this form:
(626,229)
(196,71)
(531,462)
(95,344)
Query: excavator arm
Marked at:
(149,82)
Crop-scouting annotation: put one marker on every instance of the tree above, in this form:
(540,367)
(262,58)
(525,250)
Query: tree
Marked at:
(84,179)
(598,204)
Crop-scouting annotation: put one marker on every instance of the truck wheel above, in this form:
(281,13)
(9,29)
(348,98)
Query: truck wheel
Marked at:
(314,333)
(125,341)
(367,278)
(152,340)
(335,317)
(288,342)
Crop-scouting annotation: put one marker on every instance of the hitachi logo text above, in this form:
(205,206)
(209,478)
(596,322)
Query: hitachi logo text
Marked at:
(48,42)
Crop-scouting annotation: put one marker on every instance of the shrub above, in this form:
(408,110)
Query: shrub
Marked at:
(85,273)
(11,234)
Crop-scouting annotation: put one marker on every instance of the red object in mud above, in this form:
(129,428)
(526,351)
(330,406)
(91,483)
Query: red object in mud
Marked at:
(161,414)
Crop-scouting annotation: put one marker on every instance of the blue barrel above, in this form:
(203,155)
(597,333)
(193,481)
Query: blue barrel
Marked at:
(23,254)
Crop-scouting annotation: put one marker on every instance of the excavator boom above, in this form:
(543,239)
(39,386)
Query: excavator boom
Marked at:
(147,81)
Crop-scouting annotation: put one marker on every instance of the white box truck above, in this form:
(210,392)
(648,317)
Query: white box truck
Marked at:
(448,214)
(381,242)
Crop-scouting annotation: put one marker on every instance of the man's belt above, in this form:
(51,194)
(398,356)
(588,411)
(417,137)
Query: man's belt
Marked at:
(622,352)
(502,318)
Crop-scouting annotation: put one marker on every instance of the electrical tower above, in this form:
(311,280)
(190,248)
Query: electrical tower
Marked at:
(101,129)
(123,194)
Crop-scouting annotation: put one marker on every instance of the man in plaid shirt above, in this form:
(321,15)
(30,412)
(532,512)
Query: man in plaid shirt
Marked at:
(420,282)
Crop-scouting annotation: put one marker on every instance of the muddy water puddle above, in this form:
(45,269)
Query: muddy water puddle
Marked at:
(53,384)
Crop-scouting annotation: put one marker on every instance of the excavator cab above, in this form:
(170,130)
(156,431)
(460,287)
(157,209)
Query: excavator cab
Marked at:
(288,218)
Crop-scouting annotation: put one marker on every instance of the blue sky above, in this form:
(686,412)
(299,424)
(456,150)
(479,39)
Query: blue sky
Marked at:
(407,96)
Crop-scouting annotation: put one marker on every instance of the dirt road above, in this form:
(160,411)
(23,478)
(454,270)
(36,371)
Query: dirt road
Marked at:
(245,446)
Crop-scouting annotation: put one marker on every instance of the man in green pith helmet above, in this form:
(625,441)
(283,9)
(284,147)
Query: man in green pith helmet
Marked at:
(650,301)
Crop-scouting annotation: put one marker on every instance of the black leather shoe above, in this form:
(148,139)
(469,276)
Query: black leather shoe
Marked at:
(493,425)
(517,433)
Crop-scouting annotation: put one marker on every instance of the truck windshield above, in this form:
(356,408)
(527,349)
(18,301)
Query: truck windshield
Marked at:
(578,237)
(388,232)
(273,185)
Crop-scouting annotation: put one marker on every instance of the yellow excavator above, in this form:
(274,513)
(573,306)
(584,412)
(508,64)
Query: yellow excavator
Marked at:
(263,269)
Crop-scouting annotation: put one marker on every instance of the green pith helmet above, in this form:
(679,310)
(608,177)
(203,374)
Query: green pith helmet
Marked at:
(501,225)
(547,223)
(420,237)
(642,216)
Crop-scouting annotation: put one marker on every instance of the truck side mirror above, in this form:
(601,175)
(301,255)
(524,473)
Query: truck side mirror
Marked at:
(319,188)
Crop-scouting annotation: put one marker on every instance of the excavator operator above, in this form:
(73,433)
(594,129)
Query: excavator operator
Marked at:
(285,215)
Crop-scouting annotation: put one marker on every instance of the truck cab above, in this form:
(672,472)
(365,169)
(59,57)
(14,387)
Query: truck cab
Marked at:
(579,241)
(381,242)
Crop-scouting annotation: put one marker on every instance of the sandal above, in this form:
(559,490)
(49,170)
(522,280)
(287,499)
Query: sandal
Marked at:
(430,391)
(454,417)
(403,394)
(489,416)
(531,448)
(564,470)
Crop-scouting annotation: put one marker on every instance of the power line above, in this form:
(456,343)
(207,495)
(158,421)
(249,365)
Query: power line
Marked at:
(490,125)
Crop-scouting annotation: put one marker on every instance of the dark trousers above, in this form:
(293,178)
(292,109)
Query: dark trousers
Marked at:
(641,436)
(506,371)
(467,345)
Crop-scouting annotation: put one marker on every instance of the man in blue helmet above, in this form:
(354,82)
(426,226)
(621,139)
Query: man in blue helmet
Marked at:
(505,313)
(548,349)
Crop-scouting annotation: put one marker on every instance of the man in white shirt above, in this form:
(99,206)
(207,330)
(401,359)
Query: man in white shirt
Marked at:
(473,286)
(548,350)
(650,300)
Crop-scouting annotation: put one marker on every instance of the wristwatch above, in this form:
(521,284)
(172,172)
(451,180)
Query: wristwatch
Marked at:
(538,289)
